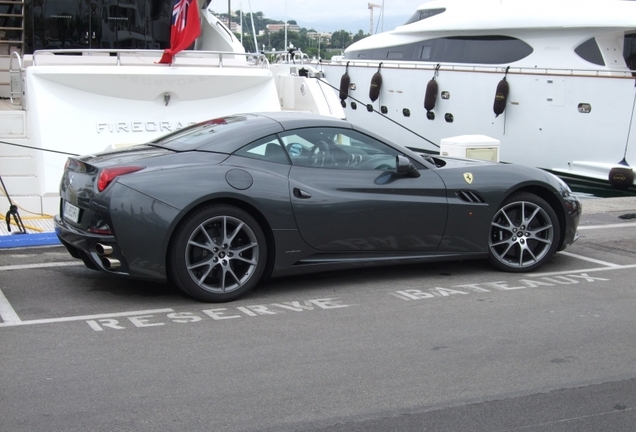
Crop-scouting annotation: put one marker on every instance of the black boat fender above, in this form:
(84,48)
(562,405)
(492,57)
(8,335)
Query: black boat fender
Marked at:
(345,81)
(621,177)
(430,97)
(501,95)
(376,85)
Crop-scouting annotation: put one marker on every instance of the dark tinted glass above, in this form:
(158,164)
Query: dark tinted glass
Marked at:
(195,136)
(423,14)
(589,51)
(495,50)
(336,148)
(267,149)
(629,51)
(465,49)
(130,24)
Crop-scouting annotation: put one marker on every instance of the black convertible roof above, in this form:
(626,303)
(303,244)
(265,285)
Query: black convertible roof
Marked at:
(227,134)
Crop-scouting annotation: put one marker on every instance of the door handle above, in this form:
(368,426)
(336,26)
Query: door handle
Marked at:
(299,193)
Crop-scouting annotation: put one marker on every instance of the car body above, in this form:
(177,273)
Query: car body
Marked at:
(220,205)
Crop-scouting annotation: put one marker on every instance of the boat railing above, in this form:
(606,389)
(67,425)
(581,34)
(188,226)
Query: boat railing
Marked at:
(607,73)
(107,57)
(15,79)
(295,56)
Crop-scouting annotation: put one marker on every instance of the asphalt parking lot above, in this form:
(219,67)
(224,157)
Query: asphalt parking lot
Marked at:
(452,346)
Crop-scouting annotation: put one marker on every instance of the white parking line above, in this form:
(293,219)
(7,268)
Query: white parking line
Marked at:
(41,265)
(577,271)
(618,225)
(570,254)
(82,317)
(7,313)
(11,319)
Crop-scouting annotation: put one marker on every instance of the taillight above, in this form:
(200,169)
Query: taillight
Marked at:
(97,225)
(107,175)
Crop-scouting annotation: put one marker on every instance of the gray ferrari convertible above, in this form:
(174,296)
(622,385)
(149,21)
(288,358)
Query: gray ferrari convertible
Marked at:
(220,205)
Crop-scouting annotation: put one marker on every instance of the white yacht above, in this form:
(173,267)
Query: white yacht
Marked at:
(552,81)
(81,101)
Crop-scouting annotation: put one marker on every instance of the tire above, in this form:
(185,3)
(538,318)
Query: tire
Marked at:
(524,234)
(217,254)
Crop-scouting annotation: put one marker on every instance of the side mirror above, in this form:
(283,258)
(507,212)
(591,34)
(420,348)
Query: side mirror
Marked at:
(403,165)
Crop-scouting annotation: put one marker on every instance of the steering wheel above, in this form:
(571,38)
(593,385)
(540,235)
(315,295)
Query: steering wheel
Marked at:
(318,154)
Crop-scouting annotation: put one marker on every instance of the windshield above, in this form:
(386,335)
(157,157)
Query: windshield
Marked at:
(423,14)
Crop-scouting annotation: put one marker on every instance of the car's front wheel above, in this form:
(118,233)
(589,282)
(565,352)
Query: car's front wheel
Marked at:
(524,233)
(218,253)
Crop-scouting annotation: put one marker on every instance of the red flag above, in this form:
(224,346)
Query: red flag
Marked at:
(184,30)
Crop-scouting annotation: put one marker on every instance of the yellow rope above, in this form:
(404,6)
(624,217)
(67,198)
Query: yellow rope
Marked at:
(36,215)
(32,228)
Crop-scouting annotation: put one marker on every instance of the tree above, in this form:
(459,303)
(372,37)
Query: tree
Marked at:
(359,36)
(340,39)
(278,40)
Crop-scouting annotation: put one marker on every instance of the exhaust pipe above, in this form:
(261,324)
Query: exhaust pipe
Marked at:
(110,263)
(103,250)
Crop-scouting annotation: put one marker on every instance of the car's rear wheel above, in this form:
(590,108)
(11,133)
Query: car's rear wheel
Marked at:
(524,233)
(218,253)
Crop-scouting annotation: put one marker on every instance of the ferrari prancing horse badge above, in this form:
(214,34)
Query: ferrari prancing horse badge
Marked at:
(468,177)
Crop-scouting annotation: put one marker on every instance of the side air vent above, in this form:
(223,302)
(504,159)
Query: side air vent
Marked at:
(469,197)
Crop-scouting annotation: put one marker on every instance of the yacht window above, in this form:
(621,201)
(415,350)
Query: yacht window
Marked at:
(589,51)
(423,14)
(462,49)
(450,50)
(495,50)
(480,49)
(629,51)
(427,49)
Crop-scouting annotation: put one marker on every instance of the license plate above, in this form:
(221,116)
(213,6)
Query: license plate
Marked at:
(71,212)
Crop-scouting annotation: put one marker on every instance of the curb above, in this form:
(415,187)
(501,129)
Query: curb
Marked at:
(27,240)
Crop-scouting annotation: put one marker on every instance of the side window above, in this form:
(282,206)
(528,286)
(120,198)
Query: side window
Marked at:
(394,55)
(589,51)
(427,51)
(336,148)
(267,148)
(493,49)
(629,51)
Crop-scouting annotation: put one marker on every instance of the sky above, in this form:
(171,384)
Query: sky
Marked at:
(328,15)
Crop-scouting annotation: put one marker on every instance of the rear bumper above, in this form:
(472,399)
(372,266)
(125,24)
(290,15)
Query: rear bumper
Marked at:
(573,209)
(90,248)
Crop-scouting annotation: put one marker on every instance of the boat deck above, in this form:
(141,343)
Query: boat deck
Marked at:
(33,225)
(6,105)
